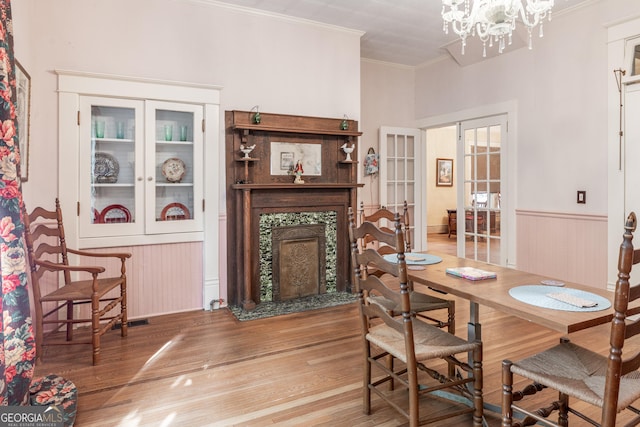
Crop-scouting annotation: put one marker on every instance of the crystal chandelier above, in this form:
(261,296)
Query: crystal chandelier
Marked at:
(493,20)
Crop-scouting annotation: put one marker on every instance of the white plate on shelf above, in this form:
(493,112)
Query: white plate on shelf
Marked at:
(173,169)
(105,168)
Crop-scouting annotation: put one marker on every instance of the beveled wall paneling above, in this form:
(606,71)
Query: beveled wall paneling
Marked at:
(173,279)
(565,246)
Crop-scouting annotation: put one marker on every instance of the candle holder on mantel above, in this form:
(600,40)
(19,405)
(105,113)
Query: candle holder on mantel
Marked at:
(348,150)
(247,149)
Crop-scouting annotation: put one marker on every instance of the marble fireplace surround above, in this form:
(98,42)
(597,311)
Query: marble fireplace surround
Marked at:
(300,226)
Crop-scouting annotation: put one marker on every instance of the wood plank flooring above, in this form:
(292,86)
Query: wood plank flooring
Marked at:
(205,368)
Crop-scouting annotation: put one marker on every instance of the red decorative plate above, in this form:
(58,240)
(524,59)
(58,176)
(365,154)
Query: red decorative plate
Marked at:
(175,211)
(96,216)
(115,213)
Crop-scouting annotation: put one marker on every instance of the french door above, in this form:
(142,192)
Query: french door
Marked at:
(481,182)
(401,178)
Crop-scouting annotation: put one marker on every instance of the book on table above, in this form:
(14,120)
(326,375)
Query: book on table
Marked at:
(471,273)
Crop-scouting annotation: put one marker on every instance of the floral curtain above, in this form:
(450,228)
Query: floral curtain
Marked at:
(17,344)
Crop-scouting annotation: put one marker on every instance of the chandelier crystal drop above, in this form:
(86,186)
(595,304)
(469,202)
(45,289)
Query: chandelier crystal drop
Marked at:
(493,21)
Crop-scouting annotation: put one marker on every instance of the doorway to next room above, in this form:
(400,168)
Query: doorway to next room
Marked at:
(467,164)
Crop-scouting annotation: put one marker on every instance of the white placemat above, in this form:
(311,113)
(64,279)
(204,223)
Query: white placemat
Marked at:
(415,258)
(537,295)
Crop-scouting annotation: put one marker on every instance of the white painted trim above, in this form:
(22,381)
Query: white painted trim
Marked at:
(617,36)
(510,108)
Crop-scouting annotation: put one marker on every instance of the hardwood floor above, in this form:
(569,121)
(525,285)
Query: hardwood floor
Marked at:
(207,369)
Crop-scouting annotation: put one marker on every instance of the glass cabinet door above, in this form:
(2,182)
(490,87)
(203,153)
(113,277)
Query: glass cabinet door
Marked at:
(173,167)
(110,152)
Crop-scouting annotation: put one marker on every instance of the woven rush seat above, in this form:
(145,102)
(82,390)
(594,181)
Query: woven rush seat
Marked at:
(609,382)
(576,371)
(430,342)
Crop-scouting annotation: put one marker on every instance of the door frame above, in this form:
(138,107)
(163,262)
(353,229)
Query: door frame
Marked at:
(509,201)
(490,121)
(419,204)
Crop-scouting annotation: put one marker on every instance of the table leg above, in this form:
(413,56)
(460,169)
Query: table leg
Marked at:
(474,329)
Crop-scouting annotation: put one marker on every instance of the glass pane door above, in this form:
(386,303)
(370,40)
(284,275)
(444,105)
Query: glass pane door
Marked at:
(482,178)
(110,153)
(174,143)
(399,148)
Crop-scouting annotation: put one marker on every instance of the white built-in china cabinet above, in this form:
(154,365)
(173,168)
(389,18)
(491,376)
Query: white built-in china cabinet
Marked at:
(140,170)
(132,157)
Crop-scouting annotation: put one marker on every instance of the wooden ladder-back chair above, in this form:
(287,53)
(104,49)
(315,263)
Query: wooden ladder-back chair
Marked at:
(421,303)
(48,257)
(611,383)
(414,343)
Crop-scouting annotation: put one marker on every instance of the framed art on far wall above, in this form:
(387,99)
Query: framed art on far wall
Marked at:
(23,111)
(444,172)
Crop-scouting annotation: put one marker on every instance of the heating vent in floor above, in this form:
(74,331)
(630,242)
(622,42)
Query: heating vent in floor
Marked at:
(132,323)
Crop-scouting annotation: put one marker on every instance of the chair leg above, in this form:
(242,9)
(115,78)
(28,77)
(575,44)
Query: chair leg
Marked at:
(414,402)
(507,393)
(123,310)
(39,338)
(451,328)
(563,411)
(95,330)
(366,392)
(69,305)
(478,401)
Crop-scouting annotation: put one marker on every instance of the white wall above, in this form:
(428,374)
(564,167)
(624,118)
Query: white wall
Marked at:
(283,65)
(557,99)
(560,88)
(388,99)
(441,143)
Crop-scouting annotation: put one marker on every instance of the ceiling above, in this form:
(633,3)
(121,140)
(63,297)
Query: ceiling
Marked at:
(407,32)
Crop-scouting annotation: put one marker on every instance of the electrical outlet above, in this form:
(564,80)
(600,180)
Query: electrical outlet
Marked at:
(582,197)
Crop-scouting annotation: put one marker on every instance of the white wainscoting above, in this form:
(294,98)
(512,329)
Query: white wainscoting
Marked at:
(161,279)
(569,247)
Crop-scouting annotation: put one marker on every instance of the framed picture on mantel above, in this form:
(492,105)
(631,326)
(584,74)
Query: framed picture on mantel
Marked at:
(444,172)
(284,155)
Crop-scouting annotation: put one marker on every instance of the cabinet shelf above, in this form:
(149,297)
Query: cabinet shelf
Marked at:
(112,140)
(163,142)
(174,184)
(111,185)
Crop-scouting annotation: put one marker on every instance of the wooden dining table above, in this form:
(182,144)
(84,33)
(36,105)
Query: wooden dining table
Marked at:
(494,293)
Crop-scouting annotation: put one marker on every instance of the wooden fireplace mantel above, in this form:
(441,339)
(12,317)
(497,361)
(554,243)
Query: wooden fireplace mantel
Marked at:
(291,186)
(252,190)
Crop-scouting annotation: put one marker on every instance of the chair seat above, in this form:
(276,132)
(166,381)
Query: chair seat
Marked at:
(582,376)
(83,289)
(430,342)
(419,302)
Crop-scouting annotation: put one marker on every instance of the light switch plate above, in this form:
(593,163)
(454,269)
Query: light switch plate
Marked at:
(582,196)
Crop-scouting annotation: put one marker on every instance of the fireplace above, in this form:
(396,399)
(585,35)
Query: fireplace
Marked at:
(299,254)
(258,186)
